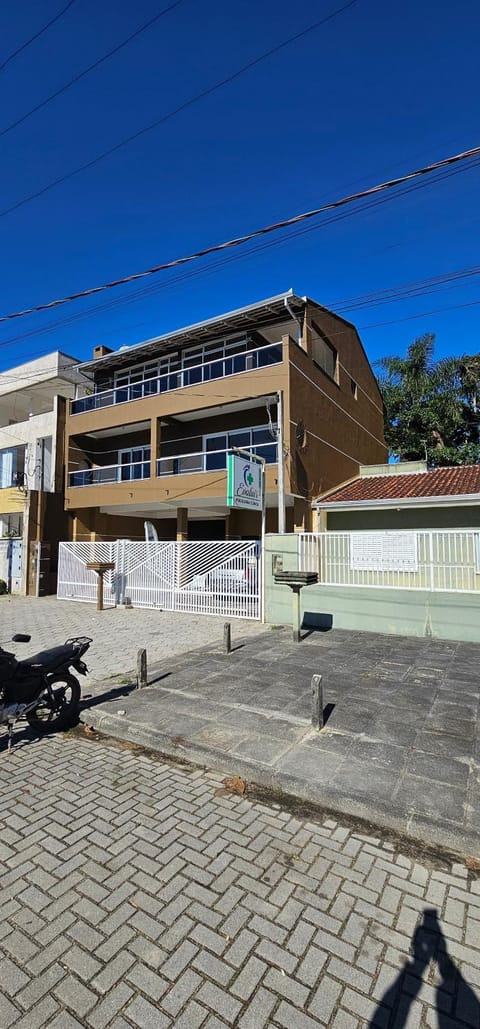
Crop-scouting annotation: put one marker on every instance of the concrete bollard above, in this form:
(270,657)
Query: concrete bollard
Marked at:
(227,637)
(317,702)
(141,669)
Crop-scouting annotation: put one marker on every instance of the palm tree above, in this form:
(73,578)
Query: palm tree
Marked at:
(431,406)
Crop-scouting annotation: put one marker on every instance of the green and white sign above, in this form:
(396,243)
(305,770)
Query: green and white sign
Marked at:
(244,483)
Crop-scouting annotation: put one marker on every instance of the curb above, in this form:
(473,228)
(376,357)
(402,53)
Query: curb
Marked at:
(420,829)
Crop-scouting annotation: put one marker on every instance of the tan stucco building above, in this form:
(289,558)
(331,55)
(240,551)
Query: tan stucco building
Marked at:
(151,441)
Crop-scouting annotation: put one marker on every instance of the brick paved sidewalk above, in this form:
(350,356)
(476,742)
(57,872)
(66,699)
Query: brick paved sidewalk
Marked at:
(117,633)
(400,748)
(134,894)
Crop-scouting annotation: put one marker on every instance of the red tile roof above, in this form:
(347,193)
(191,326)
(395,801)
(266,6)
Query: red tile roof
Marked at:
(439,482)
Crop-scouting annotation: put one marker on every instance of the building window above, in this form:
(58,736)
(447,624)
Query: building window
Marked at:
(12,467)
(257,440)
(354,388)
(323,354)
(134,463)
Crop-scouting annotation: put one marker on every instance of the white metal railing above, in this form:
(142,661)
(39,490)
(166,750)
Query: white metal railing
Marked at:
(437,559)
(217,577)
(247,361)
(110,473)
(210,460)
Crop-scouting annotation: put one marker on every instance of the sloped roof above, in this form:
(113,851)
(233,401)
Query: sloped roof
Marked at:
(460,481)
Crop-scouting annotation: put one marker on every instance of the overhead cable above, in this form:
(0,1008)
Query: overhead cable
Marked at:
(91,67)
(177,110)
(256,233)
(37,35)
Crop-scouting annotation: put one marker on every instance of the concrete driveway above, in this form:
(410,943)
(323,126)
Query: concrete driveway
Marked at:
(117,633)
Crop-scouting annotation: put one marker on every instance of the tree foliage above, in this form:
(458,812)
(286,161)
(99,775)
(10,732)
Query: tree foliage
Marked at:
(432,408)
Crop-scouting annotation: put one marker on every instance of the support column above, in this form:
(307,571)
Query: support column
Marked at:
(155,436)
(182,524)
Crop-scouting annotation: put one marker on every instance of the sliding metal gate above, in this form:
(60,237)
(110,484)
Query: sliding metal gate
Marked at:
(218,577)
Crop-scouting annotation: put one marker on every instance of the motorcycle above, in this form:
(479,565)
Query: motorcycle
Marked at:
(42,688)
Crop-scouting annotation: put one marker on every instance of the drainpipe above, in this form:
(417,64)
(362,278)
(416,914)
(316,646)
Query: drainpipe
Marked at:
(295,318)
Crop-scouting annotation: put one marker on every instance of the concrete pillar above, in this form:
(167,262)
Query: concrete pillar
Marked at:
(155,436)
(182,524)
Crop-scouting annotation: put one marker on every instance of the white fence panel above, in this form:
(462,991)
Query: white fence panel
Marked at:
(218,577)
(437,559)
(221,578)
(148,573)
(75,581)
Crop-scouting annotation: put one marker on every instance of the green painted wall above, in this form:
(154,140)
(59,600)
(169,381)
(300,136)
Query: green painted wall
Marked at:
(454,616)
(409,518)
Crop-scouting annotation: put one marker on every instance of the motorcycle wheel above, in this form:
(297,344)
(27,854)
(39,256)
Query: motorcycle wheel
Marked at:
(62,713)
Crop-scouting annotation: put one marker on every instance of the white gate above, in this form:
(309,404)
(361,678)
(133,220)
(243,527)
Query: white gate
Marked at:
(217,577)
(75,581)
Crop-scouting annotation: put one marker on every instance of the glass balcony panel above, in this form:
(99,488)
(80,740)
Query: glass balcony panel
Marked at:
(193,373)
(268,452)
(121,395)
(239,363)
(190,463)
(215,461)
(151,387)
(269,355)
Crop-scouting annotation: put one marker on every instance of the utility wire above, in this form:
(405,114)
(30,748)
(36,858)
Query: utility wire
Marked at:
(256,233)
(91,67)
(37,35)
(177,110)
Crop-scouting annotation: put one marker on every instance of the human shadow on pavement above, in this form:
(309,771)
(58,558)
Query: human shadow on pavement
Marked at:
(454,997)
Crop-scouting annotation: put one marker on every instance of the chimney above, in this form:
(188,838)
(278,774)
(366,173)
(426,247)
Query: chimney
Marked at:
(101,351)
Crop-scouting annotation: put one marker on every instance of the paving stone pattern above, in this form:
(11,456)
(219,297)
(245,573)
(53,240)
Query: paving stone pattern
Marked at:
(117,633)
(135,894)
(401,745)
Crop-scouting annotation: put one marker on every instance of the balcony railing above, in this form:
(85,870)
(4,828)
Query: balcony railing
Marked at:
(181,378)
(182,464)
(210,460)
(110,473)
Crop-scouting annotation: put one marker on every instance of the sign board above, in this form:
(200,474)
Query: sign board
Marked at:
(244,483)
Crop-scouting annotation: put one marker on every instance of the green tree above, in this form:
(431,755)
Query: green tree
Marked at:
(432,408)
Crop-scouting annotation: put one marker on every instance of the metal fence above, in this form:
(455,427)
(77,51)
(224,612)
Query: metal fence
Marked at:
(218,577)
(443,559)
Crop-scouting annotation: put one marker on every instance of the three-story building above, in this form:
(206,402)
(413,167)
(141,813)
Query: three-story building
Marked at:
(285,379)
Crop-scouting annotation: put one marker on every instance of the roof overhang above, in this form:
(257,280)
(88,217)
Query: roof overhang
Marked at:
(253,316)
(463,500)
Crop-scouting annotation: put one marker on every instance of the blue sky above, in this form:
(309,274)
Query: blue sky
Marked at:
(379,90)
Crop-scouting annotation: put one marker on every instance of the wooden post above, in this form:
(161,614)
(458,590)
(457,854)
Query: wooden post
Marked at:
(141,669)
(317,702)
(99,591)
(100,567)
(227,637)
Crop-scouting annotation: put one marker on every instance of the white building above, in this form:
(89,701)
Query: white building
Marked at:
(32,424)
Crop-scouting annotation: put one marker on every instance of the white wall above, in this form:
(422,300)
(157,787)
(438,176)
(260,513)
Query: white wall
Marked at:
(28,433)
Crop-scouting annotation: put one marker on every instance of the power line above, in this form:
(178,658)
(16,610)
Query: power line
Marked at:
(37,35)
(91,67)
(177,110)
(407,291)
(255,234)
(422,314)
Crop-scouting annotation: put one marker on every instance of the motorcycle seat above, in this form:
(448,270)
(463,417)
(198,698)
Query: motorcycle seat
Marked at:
(50,658)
